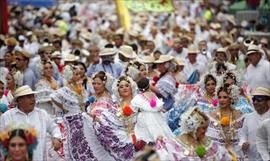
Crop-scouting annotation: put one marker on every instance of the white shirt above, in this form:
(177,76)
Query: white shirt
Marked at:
(190,68)
(181,55)
(40,120)
(263,140)
(259,75)
(248,133)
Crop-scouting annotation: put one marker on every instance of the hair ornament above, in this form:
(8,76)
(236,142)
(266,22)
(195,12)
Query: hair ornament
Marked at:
(29,132)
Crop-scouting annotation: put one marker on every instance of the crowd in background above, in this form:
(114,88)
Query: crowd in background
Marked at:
(185,85)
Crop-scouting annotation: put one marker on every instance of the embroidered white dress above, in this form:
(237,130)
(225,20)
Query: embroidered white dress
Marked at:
(174,150)
(151,122)
(43,98)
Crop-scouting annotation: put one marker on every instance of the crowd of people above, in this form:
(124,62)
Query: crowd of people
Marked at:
(187,85)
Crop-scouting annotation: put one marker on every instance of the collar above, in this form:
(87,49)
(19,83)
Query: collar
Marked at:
(17,110)
(265,115)
(259,63)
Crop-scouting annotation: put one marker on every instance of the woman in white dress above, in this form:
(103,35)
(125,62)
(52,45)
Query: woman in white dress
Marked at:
(80,140)
(45,87)
(111,122)
(151,121)
(192,144)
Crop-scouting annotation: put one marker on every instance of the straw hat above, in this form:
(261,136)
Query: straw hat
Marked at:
(224,50)
(23,91)
(11,41)
(148,59)
(261,91)
(107,52)
(180,61)
(127,52)
(253,49)
(193,50)
(23,53)
(163,59)
(56,54)
(70,58)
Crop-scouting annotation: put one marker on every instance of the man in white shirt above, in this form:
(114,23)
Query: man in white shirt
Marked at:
(261,97)
(263,140)
(27,113)
(192,64)
(178,50)
(258,71)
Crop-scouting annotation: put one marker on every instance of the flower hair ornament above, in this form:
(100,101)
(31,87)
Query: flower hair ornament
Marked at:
(130,81)
(107,80)
(191,120)
(68,72)
(203,80)
(232,90)
(133,72)
(232,75)
(30,134)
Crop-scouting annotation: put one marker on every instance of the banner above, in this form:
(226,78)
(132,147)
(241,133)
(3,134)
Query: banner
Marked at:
(123,14)
(4,17)
(149,5)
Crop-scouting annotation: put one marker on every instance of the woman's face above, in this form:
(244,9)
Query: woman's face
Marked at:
(161,67)
(17,149)
(10,82)
(82,70)
(143,71)
(200,133)
(224,99)
(76,75)
(210,87)
(99,85)
(48,70)
(124,89)
(229,82)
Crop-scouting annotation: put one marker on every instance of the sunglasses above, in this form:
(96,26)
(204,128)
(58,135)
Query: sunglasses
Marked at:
(260,98)
(13,145)
(19,59)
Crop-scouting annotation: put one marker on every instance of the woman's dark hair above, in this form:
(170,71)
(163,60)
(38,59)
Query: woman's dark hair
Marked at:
(20,133)
(82,64)
(101,75)
(109,46)
(121,78)
(209,77)
(224,89)
(143,84)
(221,66)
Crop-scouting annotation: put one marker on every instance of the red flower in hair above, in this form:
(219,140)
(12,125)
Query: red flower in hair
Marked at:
(155,79)
(127,111)
(139,145)
(177,84)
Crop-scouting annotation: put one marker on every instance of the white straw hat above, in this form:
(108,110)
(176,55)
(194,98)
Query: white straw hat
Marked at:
(23,91)
(127,51)
(163,59)
(261,91)
(253,49)
(107,52)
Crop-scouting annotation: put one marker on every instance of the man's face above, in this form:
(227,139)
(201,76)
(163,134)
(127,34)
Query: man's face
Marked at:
(254,58)
(118,41)
(20,61)
(26,103)
(260,103)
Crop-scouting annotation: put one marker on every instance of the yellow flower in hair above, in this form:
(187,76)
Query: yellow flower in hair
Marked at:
(224,121)
(32,131)
(4,136)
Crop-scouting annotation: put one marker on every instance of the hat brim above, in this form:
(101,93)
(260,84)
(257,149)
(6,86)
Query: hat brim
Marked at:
(163,61)
(107,54)
(132,56)
(254,51)
(25,94)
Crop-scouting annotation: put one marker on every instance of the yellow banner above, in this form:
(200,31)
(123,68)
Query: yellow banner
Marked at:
(123,14)
(149,5)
